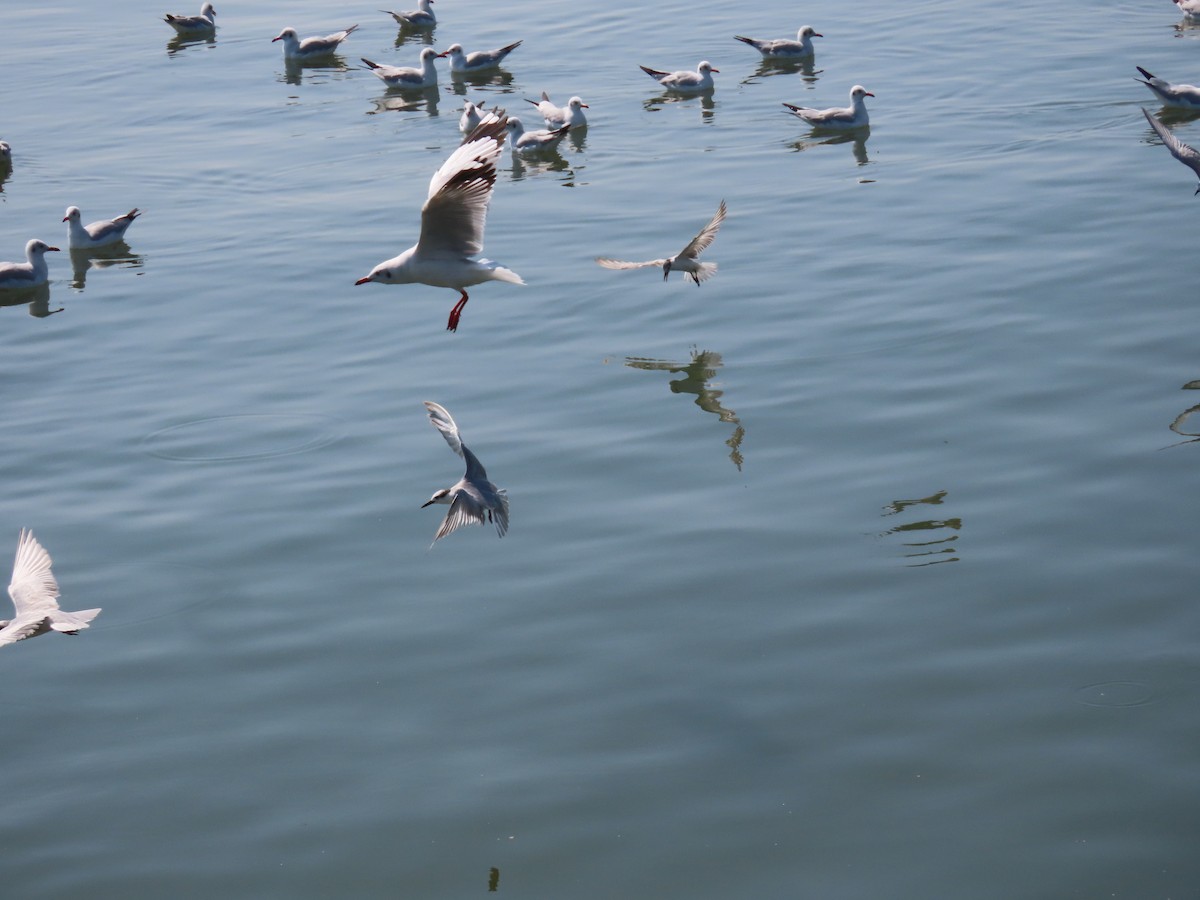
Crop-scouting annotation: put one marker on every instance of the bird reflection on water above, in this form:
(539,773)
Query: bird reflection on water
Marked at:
(857,138)
(938,550)
(118,254)
(37,297)
(698,374)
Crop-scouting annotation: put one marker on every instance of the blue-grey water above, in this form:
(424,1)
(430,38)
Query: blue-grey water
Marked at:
(866,569)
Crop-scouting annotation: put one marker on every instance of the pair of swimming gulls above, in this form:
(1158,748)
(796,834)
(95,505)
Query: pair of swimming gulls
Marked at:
(34,271)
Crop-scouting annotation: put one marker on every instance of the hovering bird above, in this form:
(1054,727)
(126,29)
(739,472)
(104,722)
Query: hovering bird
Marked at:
(311,47)
(452,221)
(570,115)
(784,49)
(406,76)
(531,142)
(421,17)
(687,260)
(187,26)
(1190,9)
(852,116)
(685,82)
(34,593)
(1187,155)
(473,498)
(30,273)
(98,234)
(461,62)
(1185,95)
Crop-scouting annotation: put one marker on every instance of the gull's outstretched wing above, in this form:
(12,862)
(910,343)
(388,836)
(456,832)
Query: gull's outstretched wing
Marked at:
(33,588)
(453,217)
(463,511)
(622,264)
(1186,154)
(701,241)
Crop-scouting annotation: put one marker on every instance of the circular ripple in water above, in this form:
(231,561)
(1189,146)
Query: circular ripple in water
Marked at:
(242,437)
(1116,694)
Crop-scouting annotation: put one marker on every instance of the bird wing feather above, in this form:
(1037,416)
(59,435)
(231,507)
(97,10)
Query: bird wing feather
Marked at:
(454,215)
(706,236)
(1186,154)
(622,264)
(33,588)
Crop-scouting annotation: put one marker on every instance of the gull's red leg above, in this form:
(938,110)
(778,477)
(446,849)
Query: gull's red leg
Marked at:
(456,313)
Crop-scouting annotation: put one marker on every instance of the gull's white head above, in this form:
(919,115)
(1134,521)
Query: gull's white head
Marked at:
(705,67)
(37,248)
(429,53)
(858,92)
(515,127)
(288,36)
(453,50)
(442,496)
(207,11)
(72,214)
(808,32)
(5,150)
(576,103)
(381,274)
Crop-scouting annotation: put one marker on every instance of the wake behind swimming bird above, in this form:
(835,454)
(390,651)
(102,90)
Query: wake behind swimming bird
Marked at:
(687,260)
(34,593)
(452,221)
(473,498)
(97,234)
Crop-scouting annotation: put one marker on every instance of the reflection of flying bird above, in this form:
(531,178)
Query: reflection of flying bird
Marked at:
(407,76)
(452,221)
(185,26)
(1184,95)
(97,234)
(473,499)
(784,49)
(684,81)
(421,17)
(1181,151)
(30,273)
(852,116)
(34,593)
(310,47)
(687,259)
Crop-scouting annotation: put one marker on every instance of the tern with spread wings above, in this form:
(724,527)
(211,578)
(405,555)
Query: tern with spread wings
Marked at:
(34,593)
(686,261)
(474,499)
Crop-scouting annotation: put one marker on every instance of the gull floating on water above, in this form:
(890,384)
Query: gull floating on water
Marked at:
(685,82)
(852,116)
(472,115)
(686,261)
(523,141)
(452,221)
(473,499)
(1185,95)
(1186,154)
(311,47)
(27,274)
(34,593)
(422,17)
(570,115)
(406,76)
(479,60)
(98,234)
(186,26)
(784,49)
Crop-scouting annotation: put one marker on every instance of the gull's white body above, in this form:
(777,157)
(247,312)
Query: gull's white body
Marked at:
(34,594)
(570,115)
(30,273)
(783,49)
(97,234)
(1190,9)
(685,82)
(687,260)
(186,26)
(531,142)
(452,222)
(472,115)
(1183,95)
(406,76)
(311,47)
(474,499)
(421,17)
(852,116)
(1185,153)
(479,60)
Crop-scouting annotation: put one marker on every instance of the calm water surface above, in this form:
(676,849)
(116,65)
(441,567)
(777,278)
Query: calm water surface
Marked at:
(867,569)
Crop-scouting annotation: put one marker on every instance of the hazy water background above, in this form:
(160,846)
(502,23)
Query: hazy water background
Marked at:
(865,570)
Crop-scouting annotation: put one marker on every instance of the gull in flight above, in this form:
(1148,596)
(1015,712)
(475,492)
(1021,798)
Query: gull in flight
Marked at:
(473,499)
(30,273)
(98,234)
(1185,95)
(311,47)
(479,60)
(421,17)
(685,82)
(523,141)
(34,593)
(452,221)
(687,260)
(852,116)
(784,49)
(1187,155)
(406,76)
(570,115)
(186,26)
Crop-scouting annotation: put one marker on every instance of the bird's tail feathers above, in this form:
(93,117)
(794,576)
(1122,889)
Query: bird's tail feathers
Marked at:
(500,273)
(72,621)
(704,271)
